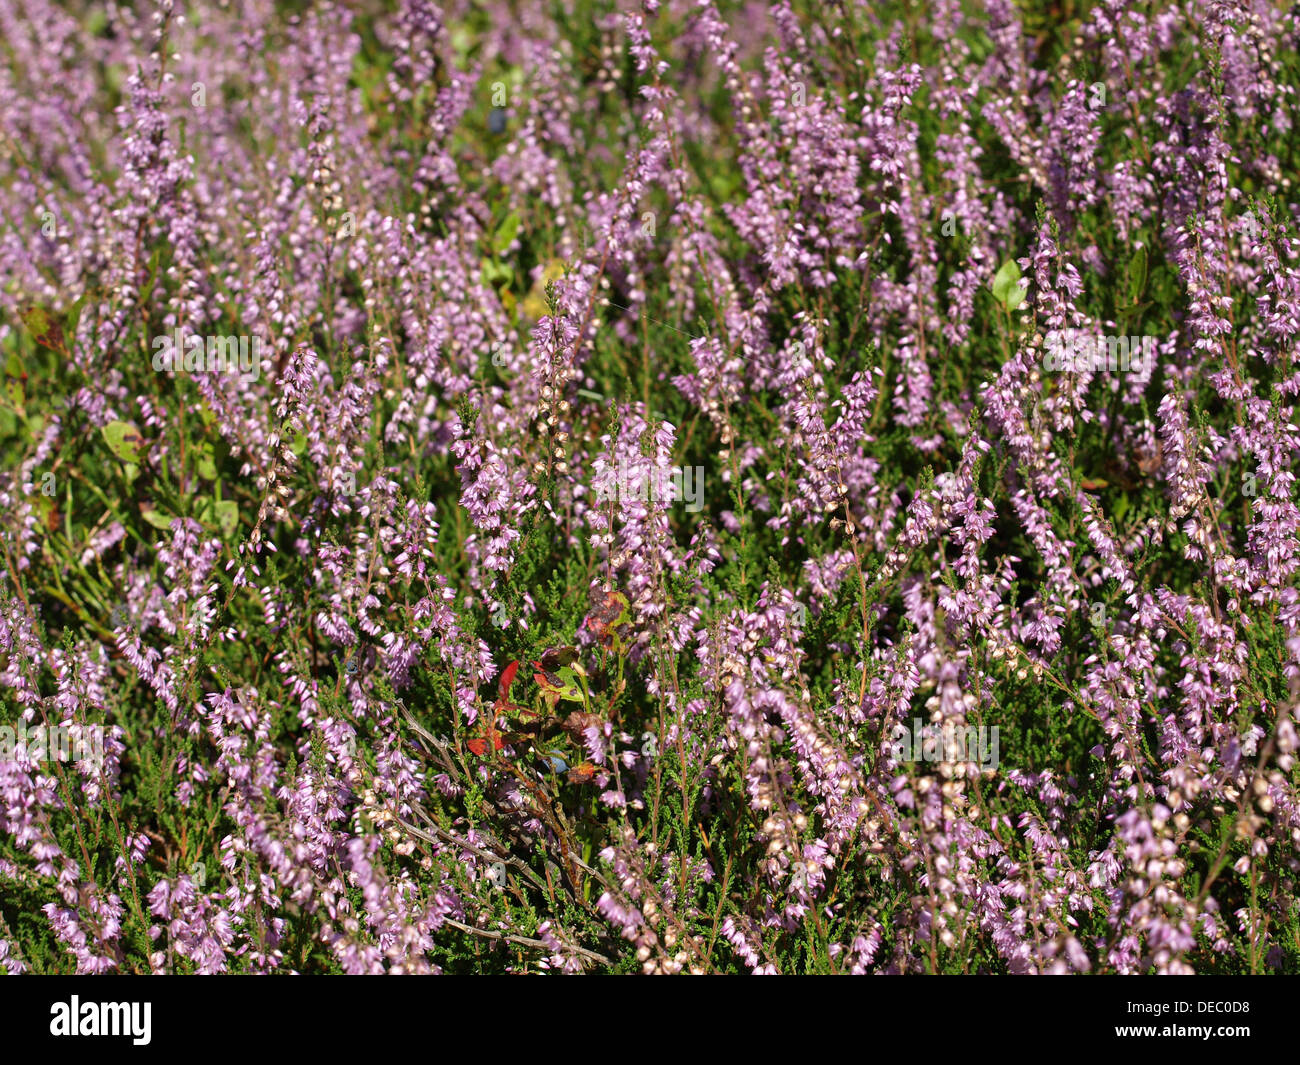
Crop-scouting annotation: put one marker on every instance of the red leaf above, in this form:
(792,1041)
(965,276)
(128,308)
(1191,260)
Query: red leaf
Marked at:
(547,680)
(478,744)
(507,679)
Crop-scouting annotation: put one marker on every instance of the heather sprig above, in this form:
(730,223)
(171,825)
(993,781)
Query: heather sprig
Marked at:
(659,443)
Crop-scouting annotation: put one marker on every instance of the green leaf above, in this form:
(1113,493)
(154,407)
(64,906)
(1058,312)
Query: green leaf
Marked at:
(36,320)
(1003,281)
(561,684)
(207,465)
(156,518)
(505,233)
(570,692)
(154,261)
(1137,274)
(1121,508)
(1015,297)
(494,271)
(228,516)
(44,507)
(16,393)
(462,41)
(124,440)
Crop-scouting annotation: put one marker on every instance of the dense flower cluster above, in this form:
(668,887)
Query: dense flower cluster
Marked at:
(407,651)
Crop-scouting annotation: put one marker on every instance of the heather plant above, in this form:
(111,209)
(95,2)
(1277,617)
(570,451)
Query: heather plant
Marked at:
(665,424)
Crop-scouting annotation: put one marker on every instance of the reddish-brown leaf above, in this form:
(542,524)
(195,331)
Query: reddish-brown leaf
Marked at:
(554,658)
(579,720)
(507,679)
(582,774)
(478,744)
(603,618)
